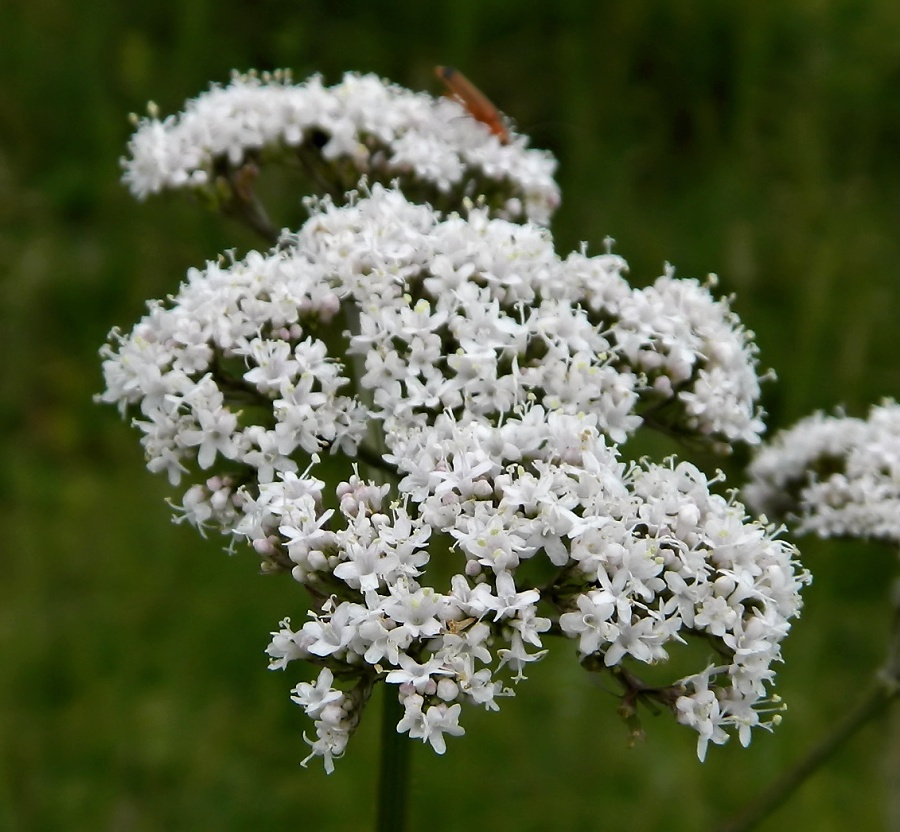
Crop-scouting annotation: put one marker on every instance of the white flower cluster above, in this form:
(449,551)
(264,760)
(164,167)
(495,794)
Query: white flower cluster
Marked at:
(694,349)
(837,476)
(492,381)
(362,125)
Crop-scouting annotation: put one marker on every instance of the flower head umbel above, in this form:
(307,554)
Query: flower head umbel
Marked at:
(838,476)
(490,382)
(362,125)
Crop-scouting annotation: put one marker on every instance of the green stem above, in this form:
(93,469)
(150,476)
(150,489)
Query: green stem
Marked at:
(244,206)
(393,780)
(874,702)
(885,691)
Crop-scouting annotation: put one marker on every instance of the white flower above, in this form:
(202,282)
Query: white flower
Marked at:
(509,602)
(314,698)
(286,646)
(701,712)
(418,677)
(430,724)
(591,622)
(214,434)
(332,634)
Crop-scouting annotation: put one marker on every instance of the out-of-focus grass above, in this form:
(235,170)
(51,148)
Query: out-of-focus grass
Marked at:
(758,140)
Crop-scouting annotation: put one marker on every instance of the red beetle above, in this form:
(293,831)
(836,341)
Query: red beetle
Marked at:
(474,100)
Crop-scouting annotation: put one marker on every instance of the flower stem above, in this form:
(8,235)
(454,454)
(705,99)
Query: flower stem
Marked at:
(243,204)
(885,691)
(393,777)
(393,781)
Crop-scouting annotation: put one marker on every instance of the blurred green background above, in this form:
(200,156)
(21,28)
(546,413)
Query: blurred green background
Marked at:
(759,140)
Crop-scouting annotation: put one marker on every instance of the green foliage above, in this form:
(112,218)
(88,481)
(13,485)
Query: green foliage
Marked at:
(755,139)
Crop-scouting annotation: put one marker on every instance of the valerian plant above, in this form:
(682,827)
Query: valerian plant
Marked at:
(476,388)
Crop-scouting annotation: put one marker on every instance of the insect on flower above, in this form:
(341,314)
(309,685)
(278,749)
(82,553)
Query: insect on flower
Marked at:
(474,100)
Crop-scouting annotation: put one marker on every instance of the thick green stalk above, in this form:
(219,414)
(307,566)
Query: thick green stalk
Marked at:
(393,780)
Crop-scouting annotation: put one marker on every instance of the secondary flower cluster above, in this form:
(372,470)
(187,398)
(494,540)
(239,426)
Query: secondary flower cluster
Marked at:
(362,125)
(490,381)
(837,476)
